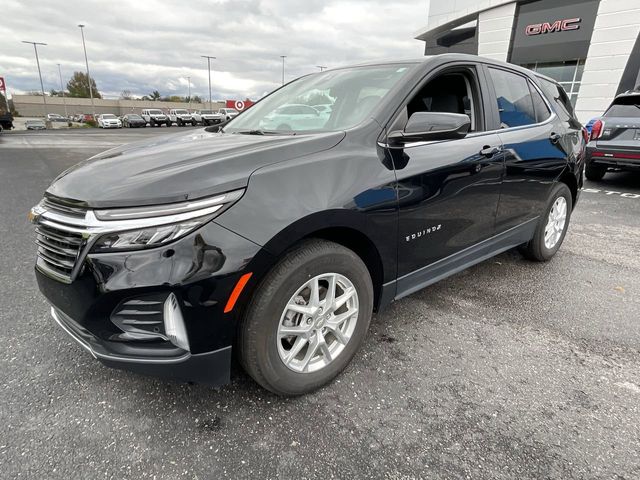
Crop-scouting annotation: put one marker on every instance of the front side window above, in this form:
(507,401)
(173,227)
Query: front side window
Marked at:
(352,93)
(515,104)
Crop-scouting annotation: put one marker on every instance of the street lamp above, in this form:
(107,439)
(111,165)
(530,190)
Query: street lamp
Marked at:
(44,97)
(64,101)
(321,67)
(209,68)
(84,46)
(189,80)
(283,57)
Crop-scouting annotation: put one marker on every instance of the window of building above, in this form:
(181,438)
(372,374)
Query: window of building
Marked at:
(515,104)
(568,74)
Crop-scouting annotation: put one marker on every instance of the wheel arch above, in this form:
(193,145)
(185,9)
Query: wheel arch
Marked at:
(569,179)
(346,228)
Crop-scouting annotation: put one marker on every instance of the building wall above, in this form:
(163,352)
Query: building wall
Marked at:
(615,33)
(32,105)
(494,31)
(442,12)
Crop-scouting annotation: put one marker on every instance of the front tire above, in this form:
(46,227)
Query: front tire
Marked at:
(552,226)
(594,172)
(295,335)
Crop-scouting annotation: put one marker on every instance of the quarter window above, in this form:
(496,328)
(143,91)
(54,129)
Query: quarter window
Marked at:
(515,104)
(539,106)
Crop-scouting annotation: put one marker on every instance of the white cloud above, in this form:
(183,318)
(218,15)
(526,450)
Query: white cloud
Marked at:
(151,45)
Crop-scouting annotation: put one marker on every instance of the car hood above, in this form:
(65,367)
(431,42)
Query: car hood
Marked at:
(179,167)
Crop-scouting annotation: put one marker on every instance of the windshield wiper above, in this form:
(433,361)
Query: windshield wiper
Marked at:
(259,131)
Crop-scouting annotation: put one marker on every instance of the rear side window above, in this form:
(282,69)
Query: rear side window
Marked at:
(558,98)
(539,106)
(515,104)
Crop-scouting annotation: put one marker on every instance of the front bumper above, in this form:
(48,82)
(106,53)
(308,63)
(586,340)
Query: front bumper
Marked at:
(210,368)
(103,307)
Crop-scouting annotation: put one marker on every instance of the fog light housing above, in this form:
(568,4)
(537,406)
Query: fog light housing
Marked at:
(174,323)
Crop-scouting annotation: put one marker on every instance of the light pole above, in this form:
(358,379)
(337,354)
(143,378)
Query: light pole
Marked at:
(44,97)
(283,57)
(321,67)
(64,101)
(84,46)
(189,80)
(209,68)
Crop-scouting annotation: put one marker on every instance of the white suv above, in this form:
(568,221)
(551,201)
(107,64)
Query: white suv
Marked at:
(181,117)
(155,117)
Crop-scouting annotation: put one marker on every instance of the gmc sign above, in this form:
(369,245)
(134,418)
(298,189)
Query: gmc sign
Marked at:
(557,26)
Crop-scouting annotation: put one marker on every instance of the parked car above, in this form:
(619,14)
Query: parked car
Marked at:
(155,117)
(280,246)
(615,138)
(54,117)
(109,120)
(181,117)
(133,120)
(86,117)
(228,113)
(207,117)
(35,125)
(294,117)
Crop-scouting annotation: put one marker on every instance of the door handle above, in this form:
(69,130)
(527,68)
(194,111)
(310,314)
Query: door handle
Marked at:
(555,138)
(489,151)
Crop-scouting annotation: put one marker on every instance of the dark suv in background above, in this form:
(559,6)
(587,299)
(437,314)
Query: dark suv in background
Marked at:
(163,256)
(615,138)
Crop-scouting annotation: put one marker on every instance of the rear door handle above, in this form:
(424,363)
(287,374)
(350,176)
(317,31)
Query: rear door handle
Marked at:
(555,137)
(489,151)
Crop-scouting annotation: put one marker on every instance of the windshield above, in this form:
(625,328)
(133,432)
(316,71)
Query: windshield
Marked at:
(206,111)
(351,94)
(156,112)
(108,115)
(134,117)
(180,112)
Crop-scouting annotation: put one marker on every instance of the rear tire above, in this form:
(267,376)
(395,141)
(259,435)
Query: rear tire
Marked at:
(552,226)
(263,349)
(594,172)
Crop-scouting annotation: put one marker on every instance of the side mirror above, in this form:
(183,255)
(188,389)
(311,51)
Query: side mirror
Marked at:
(426,126)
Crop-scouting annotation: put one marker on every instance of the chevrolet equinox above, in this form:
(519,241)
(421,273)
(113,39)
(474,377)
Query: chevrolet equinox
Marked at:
(279,239)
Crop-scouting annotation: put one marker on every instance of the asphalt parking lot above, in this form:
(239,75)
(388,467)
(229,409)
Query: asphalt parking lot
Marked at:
(508,370)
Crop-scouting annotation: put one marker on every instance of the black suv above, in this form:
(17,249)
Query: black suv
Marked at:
(162,256)
(615,138)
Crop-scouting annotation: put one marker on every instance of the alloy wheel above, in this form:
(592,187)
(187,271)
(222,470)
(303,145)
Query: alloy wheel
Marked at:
(555,223)
(317,323)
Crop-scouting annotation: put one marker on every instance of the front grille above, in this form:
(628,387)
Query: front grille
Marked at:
(58,250)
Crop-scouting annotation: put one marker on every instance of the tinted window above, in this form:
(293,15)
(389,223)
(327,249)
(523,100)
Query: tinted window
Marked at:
(625,106)
(515,104)
(558,98)
(539,105)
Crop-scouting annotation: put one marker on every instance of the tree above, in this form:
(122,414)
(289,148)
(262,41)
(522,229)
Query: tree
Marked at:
(155,95)
(126,95)
(78,86)
(196,99)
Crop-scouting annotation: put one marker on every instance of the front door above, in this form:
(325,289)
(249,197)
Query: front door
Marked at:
(448,190)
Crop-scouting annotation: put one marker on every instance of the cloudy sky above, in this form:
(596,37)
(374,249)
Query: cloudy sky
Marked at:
(147,45)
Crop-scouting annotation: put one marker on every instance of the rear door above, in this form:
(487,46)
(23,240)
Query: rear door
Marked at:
(534,142)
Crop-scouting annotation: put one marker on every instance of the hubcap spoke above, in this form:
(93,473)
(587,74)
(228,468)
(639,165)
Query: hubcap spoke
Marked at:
(338,334)
(295,350)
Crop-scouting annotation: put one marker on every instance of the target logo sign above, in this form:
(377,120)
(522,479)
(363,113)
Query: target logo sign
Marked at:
(2,85)
(239,105)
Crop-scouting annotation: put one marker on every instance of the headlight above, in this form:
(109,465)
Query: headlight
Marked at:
(152,226)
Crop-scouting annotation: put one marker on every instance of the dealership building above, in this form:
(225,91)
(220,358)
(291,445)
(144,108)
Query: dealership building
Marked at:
(592,47)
